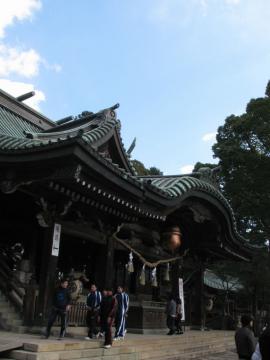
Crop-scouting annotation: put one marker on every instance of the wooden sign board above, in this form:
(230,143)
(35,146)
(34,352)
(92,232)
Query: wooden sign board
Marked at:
(56,239)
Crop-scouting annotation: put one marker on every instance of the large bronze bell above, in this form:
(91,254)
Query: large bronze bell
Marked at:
(172,238)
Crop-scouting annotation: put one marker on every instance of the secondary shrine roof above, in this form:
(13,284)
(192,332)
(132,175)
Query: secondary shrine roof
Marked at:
(227,283)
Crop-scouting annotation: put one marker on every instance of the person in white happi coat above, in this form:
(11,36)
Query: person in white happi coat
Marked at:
(121,315)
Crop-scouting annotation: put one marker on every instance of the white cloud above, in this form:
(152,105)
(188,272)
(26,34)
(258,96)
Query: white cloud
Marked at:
(209,137)
(15,88)
(17,60)
(186,169)
(24,63)
(54,67)
(11,10)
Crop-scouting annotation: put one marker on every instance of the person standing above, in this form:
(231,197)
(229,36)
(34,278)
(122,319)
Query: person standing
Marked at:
(171,314)
(121,314)
(101,330)
(244,339)
(108,309)
(60,307)
(257,354)
(264,342)
(178,319)
(93,302)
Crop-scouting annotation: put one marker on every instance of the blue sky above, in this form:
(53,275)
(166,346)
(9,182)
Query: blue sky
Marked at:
(178,68)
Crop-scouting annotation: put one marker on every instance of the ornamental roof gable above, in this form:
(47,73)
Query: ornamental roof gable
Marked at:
(22,128)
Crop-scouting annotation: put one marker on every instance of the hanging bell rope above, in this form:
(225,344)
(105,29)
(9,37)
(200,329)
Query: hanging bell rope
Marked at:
(130,266)
(167,273)
(143,260)
(154,277)
(142,276)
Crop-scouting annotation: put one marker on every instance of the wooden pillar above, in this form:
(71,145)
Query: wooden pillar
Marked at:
(109,265)
(199,302)
(176,274)
(47,272)
(33,253)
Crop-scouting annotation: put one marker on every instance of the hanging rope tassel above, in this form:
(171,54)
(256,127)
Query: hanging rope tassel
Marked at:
(154,277)
(167,273)
(125,244)
(142,276)
(130,266)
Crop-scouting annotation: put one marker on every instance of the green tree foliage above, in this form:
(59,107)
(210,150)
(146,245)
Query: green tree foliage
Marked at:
(243,148)
(200,165)
(143,171)
(154,171)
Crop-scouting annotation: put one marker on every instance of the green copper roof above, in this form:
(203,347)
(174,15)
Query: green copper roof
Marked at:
(228,283)
(14,125)
(17,133)
(177,186)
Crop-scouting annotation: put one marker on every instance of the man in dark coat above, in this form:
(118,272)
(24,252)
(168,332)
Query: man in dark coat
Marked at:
(61,306)
(108,308)
(244,339)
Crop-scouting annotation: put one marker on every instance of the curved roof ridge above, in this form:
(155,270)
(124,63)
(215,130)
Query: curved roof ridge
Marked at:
(126,155)
(96,124)
(184,184)
(176,187)
(8,142)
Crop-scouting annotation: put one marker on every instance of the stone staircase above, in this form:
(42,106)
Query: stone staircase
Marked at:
(191,345)
(10,319)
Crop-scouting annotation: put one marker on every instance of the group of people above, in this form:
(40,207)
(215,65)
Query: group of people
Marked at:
(103,311)
(246,345)
(174,315)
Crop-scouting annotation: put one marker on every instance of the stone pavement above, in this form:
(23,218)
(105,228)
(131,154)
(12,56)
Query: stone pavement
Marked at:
(229,355)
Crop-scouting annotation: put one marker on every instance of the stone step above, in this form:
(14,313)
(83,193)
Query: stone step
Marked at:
(4,300)
(175,351)
(81,350)
(182,344)
(20,329)
(9,315)
(5,307)
(191,345)
(188,356)
(16,322)
(115,353)
(186,347)
(52,345)
(2,296)
(133,356)
(187,351)
(181,347)
(11,319)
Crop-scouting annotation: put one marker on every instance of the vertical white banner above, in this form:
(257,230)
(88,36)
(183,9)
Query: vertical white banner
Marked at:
(181,296)
(56,239)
